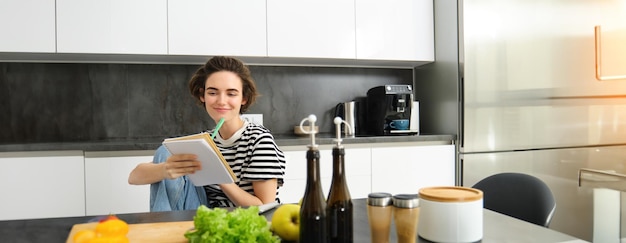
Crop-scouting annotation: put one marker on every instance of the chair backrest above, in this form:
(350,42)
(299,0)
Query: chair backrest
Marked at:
(518,195)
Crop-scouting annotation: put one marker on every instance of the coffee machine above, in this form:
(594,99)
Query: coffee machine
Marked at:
(389,107)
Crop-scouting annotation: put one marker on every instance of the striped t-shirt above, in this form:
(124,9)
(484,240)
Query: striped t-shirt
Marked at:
(253,155)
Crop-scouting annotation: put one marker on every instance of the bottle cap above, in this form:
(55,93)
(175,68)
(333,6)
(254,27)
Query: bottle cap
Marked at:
(338,121)
(380,199)
(406,201)
(311,131)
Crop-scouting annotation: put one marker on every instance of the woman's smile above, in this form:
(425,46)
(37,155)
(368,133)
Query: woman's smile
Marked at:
(222,110)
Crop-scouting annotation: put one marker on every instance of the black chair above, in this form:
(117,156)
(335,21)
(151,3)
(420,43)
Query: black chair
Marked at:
(518,195)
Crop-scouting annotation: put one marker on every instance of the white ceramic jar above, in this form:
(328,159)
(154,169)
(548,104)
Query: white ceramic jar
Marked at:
(451,214)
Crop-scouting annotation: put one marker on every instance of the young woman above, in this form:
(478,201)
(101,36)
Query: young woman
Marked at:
(226,89)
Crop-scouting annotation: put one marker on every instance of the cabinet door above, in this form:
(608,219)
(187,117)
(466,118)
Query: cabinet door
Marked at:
(42,185)
(112,26)
(27,26)
(358,173)
(358,163)
(406,169)
(213,27)
(106,183)
(311,28)
(395,30)
(295,174)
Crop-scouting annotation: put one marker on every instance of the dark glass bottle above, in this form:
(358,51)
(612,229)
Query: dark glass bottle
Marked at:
(313,221)
(339,206)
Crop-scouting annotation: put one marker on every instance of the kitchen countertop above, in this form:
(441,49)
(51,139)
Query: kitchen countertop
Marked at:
(153,143)
(496,227)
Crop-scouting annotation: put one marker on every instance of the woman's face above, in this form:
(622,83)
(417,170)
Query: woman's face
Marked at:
(223,95)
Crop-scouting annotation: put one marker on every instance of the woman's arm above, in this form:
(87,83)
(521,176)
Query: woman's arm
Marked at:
(175,166)
(146,173)
(265,170)
(265,192)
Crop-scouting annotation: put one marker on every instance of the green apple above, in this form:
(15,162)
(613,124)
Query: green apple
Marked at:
(286,222)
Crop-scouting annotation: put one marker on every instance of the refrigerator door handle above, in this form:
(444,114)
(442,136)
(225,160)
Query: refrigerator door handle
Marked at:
(598,48)
(601,179)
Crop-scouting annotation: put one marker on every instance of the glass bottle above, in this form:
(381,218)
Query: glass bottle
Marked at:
(339,207)
(313,221)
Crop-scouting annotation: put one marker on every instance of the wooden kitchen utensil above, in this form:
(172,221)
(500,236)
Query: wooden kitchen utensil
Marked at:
(149,232)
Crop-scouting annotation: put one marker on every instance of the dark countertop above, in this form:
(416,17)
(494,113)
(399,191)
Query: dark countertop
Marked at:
(496,227)
(151,144)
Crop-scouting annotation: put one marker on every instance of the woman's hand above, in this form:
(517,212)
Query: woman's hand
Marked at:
(179,165)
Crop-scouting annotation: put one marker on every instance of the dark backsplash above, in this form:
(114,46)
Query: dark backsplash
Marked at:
(59,102)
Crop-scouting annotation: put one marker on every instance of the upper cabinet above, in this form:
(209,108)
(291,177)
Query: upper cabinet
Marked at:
(213,27)
(369,33)
(395,30)
(311,28)
(27,26)
(112,26)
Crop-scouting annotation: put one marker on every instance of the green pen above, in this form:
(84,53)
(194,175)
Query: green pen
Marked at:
(219,124)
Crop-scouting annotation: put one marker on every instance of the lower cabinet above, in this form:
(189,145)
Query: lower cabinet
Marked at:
(357,165)
(406,169)
(397,168)
(47,184)
(106,183)
(75,183)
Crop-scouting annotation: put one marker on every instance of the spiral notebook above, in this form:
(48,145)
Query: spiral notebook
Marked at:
(215,169)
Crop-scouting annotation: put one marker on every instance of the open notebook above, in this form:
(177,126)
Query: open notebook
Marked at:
(215,169)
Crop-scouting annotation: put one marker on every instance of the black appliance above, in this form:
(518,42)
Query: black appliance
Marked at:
(387,103)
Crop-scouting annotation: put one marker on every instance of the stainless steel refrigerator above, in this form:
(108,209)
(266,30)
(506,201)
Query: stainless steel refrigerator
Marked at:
(531,86)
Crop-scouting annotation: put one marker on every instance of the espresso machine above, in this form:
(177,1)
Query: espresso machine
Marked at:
(389,108)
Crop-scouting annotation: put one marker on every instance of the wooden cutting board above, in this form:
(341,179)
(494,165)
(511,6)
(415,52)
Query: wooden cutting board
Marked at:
(148,232)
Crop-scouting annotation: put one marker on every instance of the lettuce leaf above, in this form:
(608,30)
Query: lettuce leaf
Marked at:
(239,225)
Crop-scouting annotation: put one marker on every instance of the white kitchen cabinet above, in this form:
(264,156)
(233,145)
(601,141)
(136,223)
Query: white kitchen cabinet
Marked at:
(27,26)
(213,27)
(395,33)
(42,185)
(394,167)
(106,183)
(311,28)
(395,30)
(357,166)
(358,171)
(112,26)
(296,170)
(406,169)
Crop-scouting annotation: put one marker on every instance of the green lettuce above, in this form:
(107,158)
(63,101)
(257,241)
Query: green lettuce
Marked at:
(239,225)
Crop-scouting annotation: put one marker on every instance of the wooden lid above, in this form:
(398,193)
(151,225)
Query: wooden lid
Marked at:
(450,194)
